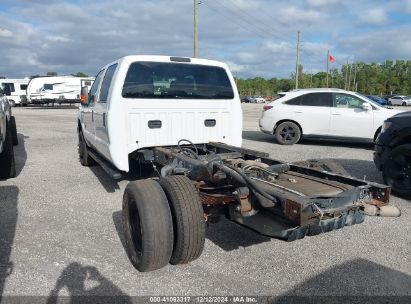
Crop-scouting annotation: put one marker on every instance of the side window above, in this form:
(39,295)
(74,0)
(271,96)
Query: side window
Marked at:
(8,88)
(23,87)
(105,86)
(293,102)
(316,100)
(94,87)
(347,101)
(48,86)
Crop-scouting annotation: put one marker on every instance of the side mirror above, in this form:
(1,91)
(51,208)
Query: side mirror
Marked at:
(84,96)
(366,106)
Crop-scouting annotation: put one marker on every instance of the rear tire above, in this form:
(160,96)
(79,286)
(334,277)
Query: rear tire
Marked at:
(147,225)
(287,133)
(7,163)
(188,218)
(396,170)
(85,159)
(13,129)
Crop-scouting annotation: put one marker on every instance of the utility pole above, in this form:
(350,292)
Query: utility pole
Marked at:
(346,76)
(354,84)
(298,60)
(311,78)
(349,78)
(195,28)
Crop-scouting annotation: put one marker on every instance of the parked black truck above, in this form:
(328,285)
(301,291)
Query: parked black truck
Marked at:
(392,153)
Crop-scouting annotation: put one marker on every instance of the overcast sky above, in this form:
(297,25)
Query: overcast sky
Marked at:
(255,37)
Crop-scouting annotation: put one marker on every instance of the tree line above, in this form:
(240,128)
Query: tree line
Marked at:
(390,77)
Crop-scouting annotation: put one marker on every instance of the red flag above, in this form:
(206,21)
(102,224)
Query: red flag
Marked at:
(331,58)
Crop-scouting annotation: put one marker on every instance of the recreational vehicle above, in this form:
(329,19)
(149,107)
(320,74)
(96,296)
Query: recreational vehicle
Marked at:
(15,90)
(56,89)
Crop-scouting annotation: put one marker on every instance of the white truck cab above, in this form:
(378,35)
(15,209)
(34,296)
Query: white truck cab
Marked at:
(138,102)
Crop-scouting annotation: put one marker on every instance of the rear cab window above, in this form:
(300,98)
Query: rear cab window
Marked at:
(176,81)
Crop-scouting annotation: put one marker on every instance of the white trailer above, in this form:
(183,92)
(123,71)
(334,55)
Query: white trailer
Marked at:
(15,90)
(56,89)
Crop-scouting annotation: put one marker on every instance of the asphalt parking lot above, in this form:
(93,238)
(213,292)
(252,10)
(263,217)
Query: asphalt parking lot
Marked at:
(60,228)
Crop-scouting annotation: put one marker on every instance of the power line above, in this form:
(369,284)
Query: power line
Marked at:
(236,20)
(269,26)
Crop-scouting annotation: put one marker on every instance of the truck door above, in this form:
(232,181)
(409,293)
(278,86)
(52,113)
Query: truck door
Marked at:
(87,112)
(100,112)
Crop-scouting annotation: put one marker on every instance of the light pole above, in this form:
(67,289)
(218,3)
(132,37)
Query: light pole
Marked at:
(196,3)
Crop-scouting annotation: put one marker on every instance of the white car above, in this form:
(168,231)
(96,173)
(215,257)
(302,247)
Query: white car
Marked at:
(257,99)
(399,100)
(323,113)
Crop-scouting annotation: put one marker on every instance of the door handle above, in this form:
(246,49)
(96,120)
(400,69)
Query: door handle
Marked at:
(92,115)
(298,111)
(336,113)
(104,119)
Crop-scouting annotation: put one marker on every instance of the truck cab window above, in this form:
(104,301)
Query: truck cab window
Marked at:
(105,86)
(94,87)
(176,81)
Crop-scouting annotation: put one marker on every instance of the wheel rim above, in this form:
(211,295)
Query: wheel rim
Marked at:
(135,227)
(398,172)
(288,133)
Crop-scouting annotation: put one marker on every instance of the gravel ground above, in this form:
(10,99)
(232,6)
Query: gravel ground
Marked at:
(60,230)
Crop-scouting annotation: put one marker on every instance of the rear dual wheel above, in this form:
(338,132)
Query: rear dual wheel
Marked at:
(163,222)
(147,225)
(188,218)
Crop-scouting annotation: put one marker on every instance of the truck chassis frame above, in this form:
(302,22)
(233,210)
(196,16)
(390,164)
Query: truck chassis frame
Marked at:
(225,191)
(164,217)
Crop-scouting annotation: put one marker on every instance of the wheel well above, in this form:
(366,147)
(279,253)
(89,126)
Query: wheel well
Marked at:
(290,120)
(377,132)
